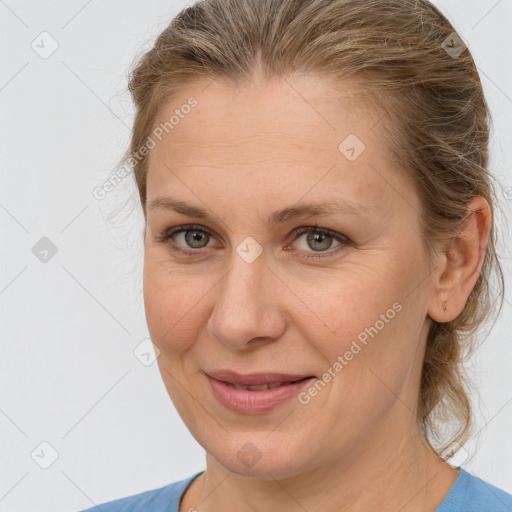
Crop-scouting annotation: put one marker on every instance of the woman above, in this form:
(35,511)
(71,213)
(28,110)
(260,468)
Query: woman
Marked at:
(319,238)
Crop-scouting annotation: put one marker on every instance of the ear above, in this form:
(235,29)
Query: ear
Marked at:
(461,263)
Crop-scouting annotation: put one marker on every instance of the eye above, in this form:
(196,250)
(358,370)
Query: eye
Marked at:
(182,237)
(320,240)
(190,239)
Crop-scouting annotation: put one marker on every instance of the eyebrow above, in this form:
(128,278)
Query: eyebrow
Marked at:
(293,212)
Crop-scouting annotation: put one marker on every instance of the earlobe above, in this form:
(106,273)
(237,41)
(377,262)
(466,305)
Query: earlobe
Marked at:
(461,264)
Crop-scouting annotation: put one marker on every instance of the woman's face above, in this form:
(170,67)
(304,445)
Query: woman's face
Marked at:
(347,306)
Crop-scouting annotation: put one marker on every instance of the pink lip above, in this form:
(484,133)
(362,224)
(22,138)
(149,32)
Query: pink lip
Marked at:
(246,401)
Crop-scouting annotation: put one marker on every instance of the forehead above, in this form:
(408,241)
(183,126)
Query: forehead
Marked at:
(295,111)
(269,136)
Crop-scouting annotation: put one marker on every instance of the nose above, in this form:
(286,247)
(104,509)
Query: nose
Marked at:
(247,309)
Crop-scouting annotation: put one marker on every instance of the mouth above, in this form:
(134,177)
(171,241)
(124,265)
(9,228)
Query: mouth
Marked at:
(255,380)
(257,398)
(261,387)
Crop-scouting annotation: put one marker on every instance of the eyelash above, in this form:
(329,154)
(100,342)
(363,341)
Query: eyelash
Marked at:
(166,238)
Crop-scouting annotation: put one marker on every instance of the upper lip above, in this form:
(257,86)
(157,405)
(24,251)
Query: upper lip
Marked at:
(255,379)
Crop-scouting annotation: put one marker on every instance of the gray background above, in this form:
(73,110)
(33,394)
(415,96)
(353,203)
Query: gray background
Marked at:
(69,325)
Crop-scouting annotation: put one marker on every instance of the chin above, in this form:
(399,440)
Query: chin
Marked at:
(260,459)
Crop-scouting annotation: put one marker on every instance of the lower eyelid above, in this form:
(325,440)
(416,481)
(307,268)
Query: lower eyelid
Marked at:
(169,239)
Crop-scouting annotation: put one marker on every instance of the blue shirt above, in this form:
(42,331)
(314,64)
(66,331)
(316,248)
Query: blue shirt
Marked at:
(468,494)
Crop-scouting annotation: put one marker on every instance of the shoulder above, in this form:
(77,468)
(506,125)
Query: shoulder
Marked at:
(473,494)
(163,499)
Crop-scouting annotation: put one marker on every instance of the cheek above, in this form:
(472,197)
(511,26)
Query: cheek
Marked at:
(339,306)
(173,304)
(365,327)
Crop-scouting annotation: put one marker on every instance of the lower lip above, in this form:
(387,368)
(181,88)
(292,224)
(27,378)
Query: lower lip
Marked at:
(246,401)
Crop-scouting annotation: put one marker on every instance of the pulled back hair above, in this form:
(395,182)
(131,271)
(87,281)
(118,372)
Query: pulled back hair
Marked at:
(401,53)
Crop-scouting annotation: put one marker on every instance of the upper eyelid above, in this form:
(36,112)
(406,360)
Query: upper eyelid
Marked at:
(299,230)
(343,241)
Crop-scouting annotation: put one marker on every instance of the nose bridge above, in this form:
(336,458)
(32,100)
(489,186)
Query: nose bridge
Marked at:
(247,271)
(245,307)
(243,289)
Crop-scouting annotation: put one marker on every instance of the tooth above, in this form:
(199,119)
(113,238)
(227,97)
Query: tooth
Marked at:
(259,387)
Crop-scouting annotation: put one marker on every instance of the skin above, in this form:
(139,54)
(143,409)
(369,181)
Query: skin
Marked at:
(242,153)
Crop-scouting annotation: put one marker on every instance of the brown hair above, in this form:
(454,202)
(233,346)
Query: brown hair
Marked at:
(403,54)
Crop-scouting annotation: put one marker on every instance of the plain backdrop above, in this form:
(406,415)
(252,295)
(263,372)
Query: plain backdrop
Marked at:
(74,398)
